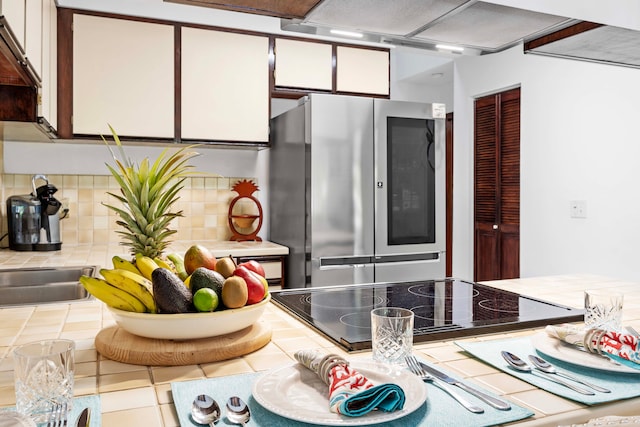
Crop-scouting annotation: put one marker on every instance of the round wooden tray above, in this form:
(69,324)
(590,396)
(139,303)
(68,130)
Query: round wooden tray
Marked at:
(119,345)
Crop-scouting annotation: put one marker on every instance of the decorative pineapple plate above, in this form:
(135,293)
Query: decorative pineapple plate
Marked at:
(186,326)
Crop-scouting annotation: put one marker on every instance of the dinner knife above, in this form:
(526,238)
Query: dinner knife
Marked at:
(493,401)
(85,418)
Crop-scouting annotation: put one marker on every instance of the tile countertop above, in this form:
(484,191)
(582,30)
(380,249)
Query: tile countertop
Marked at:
(100,255)
(141,395)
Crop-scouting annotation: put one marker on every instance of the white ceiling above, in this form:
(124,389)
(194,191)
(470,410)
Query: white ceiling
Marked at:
(480,26)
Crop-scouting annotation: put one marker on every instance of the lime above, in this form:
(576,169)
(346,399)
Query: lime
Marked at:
(205,299)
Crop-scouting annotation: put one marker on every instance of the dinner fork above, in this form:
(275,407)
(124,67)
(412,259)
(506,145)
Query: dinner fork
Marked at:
(58,415)
(415,367)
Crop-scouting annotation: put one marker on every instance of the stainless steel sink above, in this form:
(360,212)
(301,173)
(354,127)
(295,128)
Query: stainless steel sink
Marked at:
(43,285)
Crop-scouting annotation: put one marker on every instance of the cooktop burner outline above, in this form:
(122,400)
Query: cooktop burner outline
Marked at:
(422,294)
(486,304)
(365,322)
(308,300)
(418,314)
(447,308)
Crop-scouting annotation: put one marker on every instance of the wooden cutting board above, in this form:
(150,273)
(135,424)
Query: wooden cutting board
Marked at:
(119,345)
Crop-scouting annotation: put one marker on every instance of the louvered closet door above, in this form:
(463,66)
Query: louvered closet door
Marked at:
(497,186)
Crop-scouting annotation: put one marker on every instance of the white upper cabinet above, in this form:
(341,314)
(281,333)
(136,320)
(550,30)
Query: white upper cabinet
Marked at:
(167,80)
(225,86)
(25,19)
(123,75)
(301,64)
(362,70)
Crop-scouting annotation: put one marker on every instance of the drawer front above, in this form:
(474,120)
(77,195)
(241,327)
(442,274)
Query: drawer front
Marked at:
(272,269)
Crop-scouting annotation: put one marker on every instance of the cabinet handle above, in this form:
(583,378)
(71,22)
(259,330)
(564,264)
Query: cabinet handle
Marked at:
(495,226)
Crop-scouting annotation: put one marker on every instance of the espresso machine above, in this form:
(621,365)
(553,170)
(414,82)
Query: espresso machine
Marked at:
(33,219)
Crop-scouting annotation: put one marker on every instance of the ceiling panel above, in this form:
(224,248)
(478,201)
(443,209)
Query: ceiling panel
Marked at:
(397,17)
(612,45)
(489,26)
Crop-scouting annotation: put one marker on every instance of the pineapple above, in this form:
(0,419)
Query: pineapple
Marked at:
(147,195)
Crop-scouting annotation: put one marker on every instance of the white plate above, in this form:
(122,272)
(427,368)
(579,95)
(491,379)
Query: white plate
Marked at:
(296,393)
(185,326)
(563,351)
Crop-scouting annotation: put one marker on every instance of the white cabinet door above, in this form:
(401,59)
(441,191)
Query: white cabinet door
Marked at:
(33,34)
(225,86)
(14,13)
(362,70)
(301,64)
(123,75)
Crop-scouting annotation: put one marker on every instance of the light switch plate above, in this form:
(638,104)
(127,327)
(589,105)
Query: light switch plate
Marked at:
(578,208)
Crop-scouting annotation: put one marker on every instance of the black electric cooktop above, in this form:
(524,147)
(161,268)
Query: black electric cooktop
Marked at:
(443,309)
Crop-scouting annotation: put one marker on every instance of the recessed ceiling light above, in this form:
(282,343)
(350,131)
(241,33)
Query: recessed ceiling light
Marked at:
(449,47)
(346,33)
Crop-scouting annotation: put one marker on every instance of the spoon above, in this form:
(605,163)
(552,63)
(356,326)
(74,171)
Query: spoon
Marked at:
(205,410)
(547,367)
(521,365)
(237,411)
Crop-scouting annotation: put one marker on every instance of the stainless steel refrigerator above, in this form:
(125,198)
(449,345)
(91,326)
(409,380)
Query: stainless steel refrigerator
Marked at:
(357,190)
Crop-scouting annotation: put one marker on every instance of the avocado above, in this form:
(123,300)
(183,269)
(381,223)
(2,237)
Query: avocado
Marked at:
(170,293)
(204,278)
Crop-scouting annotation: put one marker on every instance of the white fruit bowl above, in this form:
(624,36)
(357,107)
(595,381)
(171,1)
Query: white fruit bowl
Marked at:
(187,326)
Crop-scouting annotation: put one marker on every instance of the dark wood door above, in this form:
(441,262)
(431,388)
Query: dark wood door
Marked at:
(497,186)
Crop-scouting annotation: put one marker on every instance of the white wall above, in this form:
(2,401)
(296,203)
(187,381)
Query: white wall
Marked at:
(579,141)
(414,76)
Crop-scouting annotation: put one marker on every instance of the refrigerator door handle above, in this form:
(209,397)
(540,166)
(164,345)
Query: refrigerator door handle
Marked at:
(348,261)
(344,266)
(428,256)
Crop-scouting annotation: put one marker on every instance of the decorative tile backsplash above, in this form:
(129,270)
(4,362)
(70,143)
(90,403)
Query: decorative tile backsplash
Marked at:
(203,200)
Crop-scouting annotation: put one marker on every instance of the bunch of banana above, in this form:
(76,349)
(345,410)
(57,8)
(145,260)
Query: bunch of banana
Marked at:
(127,286)
(132,283)
(123,289)
(112,296)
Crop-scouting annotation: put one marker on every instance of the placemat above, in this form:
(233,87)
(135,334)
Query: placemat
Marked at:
(79,403)
(439,410)
(622,385)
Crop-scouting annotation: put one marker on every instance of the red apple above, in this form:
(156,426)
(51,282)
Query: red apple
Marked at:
(255,286)
(253,266)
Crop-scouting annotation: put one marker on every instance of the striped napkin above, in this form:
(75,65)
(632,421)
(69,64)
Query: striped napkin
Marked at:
(350,392)
(621,347)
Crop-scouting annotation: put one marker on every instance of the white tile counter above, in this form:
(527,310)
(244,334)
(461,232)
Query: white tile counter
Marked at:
(100,255)
(140,395)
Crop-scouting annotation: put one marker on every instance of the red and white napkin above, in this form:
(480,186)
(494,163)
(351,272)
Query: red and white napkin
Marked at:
(350,392)
(621,347)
